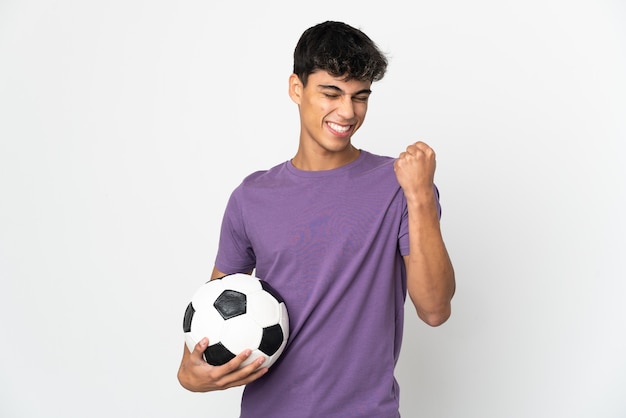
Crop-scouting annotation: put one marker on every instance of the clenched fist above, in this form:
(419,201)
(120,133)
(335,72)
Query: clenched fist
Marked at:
(415,170)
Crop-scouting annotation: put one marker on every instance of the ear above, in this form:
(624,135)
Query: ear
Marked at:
(295,88)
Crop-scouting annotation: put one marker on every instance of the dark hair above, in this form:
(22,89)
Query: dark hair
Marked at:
(339,49)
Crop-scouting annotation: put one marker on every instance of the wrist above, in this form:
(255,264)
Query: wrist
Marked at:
(420,197)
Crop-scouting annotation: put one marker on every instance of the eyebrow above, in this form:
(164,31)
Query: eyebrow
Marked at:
(337,89)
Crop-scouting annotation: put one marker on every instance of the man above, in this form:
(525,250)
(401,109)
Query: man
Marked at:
(342,234)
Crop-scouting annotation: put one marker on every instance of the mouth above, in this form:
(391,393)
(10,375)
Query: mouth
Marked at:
(339,130)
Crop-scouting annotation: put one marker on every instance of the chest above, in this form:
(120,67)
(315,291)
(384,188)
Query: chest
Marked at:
(320,221)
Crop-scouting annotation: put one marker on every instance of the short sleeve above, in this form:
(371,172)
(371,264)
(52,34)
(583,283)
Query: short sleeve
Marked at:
(235,253)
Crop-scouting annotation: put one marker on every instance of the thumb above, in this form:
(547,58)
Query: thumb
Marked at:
(198,349)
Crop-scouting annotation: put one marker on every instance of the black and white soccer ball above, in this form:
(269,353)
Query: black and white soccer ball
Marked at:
(237,312)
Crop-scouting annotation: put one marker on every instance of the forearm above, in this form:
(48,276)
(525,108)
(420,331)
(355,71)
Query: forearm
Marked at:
(430,275)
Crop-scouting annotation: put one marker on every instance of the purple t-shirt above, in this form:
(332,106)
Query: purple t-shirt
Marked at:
(331,243)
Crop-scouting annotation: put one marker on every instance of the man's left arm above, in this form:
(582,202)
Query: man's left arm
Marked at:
(430,275)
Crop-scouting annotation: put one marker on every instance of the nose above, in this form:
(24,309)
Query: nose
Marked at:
(346,108)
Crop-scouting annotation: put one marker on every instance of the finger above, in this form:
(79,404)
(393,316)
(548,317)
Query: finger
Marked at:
(198,350)
(235,363)
(415,149)
(399,162)
(245,379)
(232,374)
(258,372)
(423,147)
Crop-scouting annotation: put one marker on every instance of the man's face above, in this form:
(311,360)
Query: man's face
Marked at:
(331,110)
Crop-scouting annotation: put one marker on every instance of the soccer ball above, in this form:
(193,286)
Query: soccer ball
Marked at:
(236,312)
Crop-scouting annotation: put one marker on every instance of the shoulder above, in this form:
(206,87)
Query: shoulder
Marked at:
(375,161)
(377,169)
(263,184)
(265,177)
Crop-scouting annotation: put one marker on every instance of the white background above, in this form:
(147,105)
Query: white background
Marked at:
(124,126)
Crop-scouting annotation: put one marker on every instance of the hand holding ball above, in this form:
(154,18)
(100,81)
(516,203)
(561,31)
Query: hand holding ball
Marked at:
(237,312)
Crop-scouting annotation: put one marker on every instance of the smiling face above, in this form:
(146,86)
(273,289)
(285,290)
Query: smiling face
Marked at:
(331,111)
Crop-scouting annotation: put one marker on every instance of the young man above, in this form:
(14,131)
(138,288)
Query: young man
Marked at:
(342,234)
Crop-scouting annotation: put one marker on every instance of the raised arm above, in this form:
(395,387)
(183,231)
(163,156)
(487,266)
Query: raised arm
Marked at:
(430,275)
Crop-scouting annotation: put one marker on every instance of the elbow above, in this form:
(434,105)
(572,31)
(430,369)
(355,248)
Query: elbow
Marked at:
(435,318)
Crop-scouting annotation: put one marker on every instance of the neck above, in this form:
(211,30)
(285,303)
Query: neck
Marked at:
(312,161)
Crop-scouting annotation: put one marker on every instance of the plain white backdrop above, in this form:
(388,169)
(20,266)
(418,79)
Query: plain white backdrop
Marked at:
(124,126)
